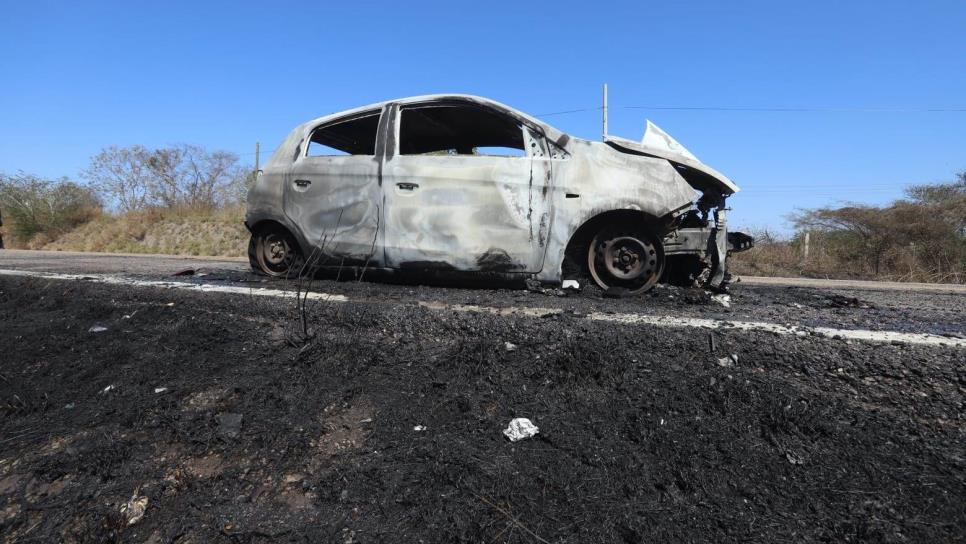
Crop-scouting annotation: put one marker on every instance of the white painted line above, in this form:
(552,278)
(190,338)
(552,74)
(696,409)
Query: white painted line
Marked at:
(624,319)
(205,288)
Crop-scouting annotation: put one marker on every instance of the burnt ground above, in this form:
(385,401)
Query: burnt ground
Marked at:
(263,435)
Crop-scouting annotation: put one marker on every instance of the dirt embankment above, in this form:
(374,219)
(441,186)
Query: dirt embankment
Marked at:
(171,232)
(227,425)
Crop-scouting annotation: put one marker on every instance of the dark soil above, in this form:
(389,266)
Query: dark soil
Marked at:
(264,434)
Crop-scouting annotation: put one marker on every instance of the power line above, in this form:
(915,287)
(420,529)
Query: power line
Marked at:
(798,110)
(765,110)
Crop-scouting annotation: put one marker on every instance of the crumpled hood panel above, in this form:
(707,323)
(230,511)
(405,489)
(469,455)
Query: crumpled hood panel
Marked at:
(657,143)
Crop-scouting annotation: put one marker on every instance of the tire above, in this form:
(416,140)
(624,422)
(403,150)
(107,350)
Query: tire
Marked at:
(274,252)
(625,259)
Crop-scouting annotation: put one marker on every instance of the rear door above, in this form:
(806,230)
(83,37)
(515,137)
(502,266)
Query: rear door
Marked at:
(332,191)
(467,188)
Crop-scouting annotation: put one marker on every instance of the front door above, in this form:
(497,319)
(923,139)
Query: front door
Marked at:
(332,191)
(466,188)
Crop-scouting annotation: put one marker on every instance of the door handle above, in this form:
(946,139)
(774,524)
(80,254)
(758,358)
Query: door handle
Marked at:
(407,186)
(303,182)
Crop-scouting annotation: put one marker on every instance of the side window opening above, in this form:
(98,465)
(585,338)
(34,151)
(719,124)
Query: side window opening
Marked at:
(459,130)
(353,137)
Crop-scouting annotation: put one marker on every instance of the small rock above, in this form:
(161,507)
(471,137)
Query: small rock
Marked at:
(107,389)
(97,328)
(510,346)
(160,390)
(419,428)
(722,299)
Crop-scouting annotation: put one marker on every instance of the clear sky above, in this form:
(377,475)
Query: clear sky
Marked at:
(78,76)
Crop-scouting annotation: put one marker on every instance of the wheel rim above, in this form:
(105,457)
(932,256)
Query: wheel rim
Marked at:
(275,254)
(625,260)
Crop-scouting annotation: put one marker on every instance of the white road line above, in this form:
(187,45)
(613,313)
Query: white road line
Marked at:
(205,288)
(624,319)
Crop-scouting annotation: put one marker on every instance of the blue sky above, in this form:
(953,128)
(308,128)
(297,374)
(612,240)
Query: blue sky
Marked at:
(78,76)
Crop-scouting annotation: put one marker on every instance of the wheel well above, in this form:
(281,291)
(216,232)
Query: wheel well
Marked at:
(270,224)
(575,256)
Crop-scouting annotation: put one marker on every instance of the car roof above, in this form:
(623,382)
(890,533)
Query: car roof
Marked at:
(551,131)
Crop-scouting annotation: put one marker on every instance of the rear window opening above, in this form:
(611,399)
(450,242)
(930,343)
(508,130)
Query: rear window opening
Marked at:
(459,130)
(354,137)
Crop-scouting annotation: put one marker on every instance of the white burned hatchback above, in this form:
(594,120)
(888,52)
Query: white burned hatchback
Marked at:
(464,184)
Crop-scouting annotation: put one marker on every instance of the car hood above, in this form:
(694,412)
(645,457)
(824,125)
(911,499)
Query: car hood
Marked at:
(657,143)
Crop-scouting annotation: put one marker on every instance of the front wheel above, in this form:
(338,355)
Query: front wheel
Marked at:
(274,252)
(628,258)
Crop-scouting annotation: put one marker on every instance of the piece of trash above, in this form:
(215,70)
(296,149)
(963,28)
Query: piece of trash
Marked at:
(520,428)
(134,509)
(160,389)
(794,459)
(229,425)
(69,406)
(722,299)
(419,428)
(107,389)
(97,328)
(170,304)
(130,315)
(570,284)
(510,346)
(185,272)
(731,360)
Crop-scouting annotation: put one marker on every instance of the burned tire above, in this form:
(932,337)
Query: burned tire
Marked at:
(274,252)
(625,258)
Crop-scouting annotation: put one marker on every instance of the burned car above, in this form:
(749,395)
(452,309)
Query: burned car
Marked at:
(464,184)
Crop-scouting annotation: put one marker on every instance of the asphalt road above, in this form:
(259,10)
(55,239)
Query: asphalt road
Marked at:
(131,263)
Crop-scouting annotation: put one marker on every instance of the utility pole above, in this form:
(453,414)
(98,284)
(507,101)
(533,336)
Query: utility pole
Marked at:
(605,111)
(257,153)
(805,248)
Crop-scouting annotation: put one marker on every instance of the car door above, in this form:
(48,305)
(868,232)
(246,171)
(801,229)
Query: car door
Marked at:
(332,192)
(466,188)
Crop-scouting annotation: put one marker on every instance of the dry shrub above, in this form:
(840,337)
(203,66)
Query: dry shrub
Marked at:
(38,210)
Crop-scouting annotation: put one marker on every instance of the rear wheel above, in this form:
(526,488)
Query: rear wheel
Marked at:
(626,258)
(274,252)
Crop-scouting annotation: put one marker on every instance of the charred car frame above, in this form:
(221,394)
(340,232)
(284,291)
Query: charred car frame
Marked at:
(464,184)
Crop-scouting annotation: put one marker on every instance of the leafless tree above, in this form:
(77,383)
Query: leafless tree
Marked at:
(179,176)
(122,176)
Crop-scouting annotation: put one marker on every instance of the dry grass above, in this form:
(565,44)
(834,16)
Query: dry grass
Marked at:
(168,231)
